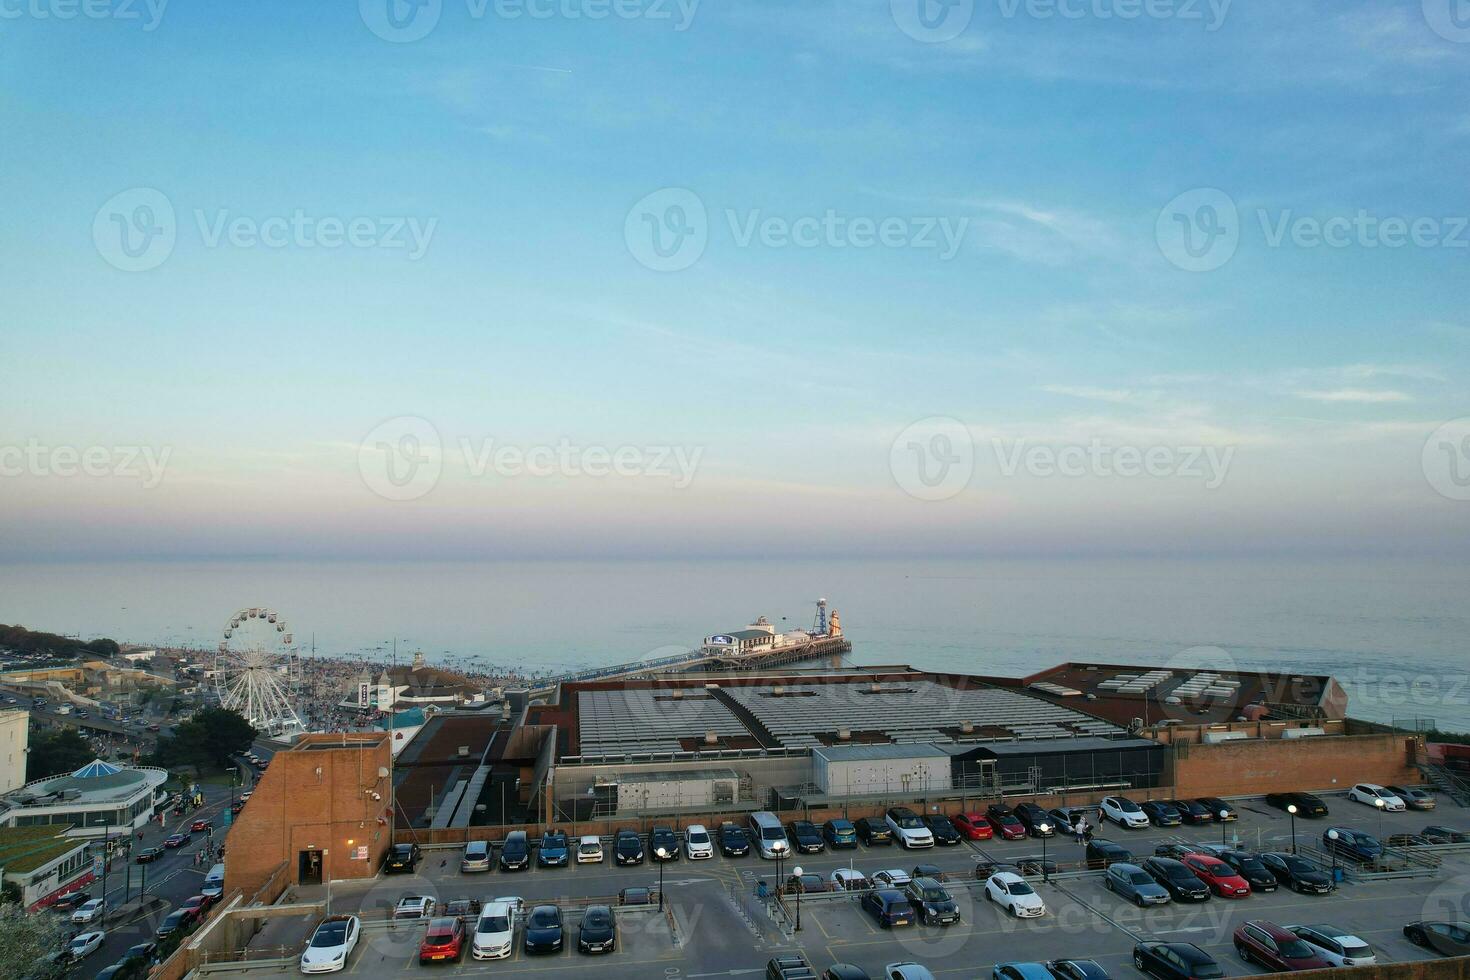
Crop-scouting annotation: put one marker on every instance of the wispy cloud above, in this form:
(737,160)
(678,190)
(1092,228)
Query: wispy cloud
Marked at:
(1361,396)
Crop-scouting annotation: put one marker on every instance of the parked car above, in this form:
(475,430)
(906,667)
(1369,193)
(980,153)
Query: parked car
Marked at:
(476,857)
(71,900)
(149,854)
(907,828)
(1249,867)
(805,837)
(1131,882)
(1176,961)
(1020,971)
(927,871)
(1306,804)
(932,904)
(1193,812)
(1101,852)
(1337,946)
(589,849)
(1297,873)
(698,844)
(873,832)
(892,878)
(808,883)
(443,941)
(1161,813)
(848,880)
(598,932)
(1415,799)
(1352,844)
(553,851)
(1037,821)
(85,944)
(414,907)
(1218,806)
(1181,883)
(544,931)
(733,840)
(494,937)
(888,907)
(1378,797)
(1077,970)
(515,852)
(839,834)
(663,843)
(401,859)
(173,922)
(330,945)
(1445,938)
(940,828)
(1012,893)
(1220,877)
(974,826)
(1279,950)
(88,911)
(1004,822)
(1124,812)
(907,971)
(627,847)
(1446,835)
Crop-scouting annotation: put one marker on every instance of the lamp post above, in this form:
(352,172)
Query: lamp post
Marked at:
(1223,814)
(661,855)
(1332,836)
(1291,809)
(234,772)
(796,873)
(1380,806)
(1044,829)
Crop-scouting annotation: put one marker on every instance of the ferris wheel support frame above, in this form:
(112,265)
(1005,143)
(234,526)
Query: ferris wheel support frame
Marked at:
(249,681)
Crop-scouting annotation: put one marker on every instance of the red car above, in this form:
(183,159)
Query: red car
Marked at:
(1267,944)
(1221,877)
(443,942)
(175,840)
(973,826)
(1007,826)
(199,826)
(196,905)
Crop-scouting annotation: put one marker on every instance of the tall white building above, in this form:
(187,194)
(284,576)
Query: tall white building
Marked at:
(14,738)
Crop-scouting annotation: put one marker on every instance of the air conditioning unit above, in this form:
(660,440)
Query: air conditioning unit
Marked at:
(1215,738)
(1303,732)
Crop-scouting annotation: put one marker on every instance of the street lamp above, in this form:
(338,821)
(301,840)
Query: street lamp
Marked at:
(1332,836)
(235,772)
(661,854)
(1291,809)
(1044,829)
(1381,806)
(796,873)
(1223,815)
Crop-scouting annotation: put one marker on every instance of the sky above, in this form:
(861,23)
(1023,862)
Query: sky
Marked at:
(648,278)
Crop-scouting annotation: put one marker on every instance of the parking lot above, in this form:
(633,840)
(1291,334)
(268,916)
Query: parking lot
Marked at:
(715,925)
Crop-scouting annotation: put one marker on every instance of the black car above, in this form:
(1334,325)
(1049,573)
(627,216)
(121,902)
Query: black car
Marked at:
(71,900)
(1249,867)
(628,847)
(872,831)
(805,837)
(1102,852)
(1176,961)
(845,971)
(1034,818)
(1161,813)
(1218,806)
(1077,970)
(1297,873)
(663,844)
(543,931)
(1352,844)
(889,907)
(734,842)
(401,859)
(599,930)
(1176,878)
(553,852)
(1446,835)
(1445,938)
(515,853)
(141,953)
(149,854)
(944,832)
(173,922)
(839,834)
(1192,812)
(1306,804)
(931,903)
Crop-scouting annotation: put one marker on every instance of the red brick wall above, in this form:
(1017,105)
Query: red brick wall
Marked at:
(1247,768)
(313,799)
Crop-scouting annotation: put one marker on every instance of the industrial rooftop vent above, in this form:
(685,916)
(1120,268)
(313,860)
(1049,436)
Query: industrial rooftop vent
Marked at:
(778,690)
(464,750)
(844,734)
(967,727)
(677,693)
(711,737)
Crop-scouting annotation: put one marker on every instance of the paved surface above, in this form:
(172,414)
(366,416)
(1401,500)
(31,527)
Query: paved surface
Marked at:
(715,926)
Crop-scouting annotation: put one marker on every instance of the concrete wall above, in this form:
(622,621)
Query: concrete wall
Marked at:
(14,737)
(314,799)
(1255,767)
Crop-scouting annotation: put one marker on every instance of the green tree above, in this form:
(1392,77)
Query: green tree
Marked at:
(56,752)
(211,737)
(28,941)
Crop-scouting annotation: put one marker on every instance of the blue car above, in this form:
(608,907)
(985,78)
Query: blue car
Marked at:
(1020,971)
(1135,884)
(839,834)
(1352,844)
(553,852)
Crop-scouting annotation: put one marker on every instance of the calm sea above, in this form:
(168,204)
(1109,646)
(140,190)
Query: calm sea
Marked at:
(1395,633)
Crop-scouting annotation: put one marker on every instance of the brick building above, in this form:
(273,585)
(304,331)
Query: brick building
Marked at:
(321,809)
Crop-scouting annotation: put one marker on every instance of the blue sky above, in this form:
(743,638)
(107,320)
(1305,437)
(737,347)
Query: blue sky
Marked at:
(528,152)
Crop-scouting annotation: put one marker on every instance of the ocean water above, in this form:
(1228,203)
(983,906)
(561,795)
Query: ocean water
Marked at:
(1396,633)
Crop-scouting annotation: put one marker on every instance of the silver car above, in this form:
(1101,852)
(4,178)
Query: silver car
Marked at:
(1135,884)
(476,856)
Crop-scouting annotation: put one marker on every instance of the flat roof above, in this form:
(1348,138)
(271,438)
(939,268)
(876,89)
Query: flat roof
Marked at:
(24,849)
(865,753)
(1068,745)
(685,774)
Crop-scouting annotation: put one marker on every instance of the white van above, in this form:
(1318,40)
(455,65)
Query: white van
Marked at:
(214,882)
(769,835)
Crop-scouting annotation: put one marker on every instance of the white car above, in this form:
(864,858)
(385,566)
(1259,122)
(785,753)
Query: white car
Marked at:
(494,932)
(1371,794)
(892,878)
(1124,812)
(414,907)
(88,911)
(589,850)
(1337,946)
(1011,892)
(516,903)
(85,944)
(848,880)
(697,843)
(331,944)
(907,828)
(907,971)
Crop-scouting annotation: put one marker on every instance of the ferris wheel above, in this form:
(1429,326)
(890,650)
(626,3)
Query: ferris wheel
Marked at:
(257,672)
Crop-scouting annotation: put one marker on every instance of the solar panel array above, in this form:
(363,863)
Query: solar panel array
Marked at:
(642,720)
(1136,683)
(908,712)
(1208,684)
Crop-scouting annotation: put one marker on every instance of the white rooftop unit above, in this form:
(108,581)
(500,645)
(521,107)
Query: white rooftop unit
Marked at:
(859,770)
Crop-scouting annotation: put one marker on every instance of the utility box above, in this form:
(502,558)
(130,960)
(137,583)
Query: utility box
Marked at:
(863,770)
(671,791)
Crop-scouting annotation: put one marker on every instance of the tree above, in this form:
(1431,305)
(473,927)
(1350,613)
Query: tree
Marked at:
(212,736)
(28,941)
(57,752)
